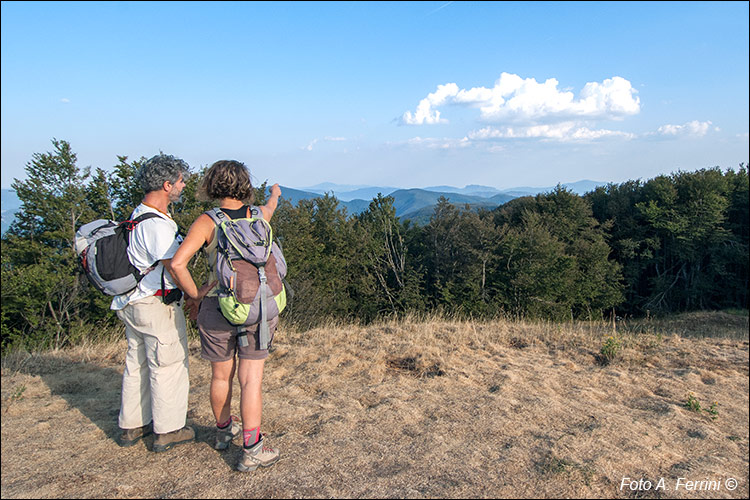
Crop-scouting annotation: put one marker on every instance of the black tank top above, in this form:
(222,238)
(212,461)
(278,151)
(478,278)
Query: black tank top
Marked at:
(237,213)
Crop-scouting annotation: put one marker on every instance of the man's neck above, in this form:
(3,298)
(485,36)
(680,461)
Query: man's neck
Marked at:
(157,200)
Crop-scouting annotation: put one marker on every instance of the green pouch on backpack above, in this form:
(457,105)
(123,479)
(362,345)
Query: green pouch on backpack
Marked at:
(235,312)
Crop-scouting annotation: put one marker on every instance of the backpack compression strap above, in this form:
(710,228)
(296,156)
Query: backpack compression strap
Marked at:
(264,332)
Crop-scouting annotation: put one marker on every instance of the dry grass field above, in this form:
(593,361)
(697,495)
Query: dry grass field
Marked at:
(429,408)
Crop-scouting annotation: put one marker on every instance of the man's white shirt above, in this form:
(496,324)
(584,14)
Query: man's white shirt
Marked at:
(151,241)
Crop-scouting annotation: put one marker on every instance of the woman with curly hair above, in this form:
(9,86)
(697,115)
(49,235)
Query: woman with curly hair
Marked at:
(227,181)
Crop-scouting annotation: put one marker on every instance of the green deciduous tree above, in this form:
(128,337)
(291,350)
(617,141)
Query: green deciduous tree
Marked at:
(387,282)
(556,258)
(682,239)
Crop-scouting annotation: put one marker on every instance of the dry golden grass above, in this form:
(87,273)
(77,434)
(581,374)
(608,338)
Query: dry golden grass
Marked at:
(409,409)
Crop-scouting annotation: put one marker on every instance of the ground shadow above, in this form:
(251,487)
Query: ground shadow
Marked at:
(94,390)
(91,388)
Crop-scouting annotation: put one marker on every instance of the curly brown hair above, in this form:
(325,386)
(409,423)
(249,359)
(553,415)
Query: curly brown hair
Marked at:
(227,179)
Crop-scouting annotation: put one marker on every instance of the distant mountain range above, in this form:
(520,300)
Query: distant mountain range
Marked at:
(415,204)
(347,192)
(10,204)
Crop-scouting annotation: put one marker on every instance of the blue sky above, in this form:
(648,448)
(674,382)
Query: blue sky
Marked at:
(382,93)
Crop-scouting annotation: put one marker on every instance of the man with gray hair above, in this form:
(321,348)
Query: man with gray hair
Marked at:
(155,382)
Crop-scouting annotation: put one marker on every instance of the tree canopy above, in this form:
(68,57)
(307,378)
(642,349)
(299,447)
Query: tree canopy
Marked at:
(674,243)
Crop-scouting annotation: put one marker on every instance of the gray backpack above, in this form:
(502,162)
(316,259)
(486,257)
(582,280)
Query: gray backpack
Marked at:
(102,248)
(250,268)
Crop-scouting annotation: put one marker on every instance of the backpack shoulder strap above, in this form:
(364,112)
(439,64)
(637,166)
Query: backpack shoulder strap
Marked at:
(130,223)
(150,215)
(217,215)
(145,216)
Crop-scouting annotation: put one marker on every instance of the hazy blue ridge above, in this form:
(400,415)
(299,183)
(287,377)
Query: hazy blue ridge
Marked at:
(295,195)
(9,205)
(517,194)
(367,193)
(405,201)
(410,200)
(416,204)
(475,189)
(354,207)
(9,200)
(421,216)
(471,189)
(8,216)
(579,188)
(326,187)
(345,194)
(442,189)
(502,198)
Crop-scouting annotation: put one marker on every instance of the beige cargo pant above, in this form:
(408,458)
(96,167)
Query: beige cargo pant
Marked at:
(155,382)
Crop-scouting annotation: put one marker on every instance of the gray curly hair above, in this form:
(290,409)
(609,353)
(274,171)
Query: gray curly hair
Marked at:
(160,169)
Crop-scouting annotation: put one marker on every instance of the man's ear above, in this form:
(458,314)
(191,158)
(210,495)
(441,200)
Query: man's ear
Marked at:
(166,186)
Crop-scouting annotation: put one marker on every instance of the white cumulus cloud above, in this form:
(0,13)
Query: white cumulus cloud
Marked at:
(435,142)
(424,113)
(566,131)
(693,128)
(525,101)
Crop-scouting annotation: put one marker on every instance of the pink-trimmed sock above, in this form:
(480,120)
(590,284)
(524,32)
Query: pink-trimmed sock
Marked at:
(250,436)
(225,424)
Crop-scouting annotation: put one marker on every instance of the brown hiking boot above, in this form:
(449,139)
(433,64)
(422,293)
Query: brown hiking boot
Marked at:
(225,436)
(257,455)
(131,436)
(163,442)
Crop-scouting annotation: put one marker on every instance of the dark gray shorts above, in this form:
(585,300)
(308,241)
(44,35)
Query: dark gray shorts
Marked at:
(219,337)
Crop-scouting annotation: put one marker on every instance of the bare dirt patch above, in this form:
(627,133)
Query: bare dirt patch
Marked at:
(410,409)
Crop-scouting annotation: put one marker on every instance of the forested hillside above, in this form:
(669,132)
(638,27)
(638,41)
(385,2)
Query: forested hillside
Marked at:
(674,243)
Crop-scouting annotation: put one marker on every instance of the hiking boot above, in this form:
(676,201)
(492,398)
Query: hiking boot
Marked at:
(257,455)
(225,436)
(163,442)
(131,436)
